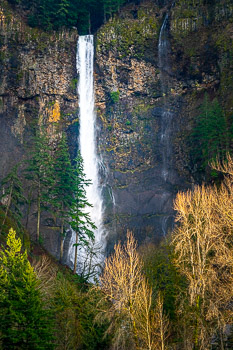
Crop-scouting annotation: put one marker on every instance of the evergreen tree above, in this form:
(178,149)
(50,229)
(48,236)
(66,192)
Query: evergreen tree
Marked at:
(86,15)
(111,7)
(61,13)
(39,172)
(63,8)
(67,198)
(25,324)
(12,195)
(61,195)
(210,137)
(80,218)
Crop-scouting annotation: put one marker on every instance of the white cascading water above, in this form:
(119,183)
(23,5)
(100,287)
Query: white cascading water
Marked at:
(87,142)
(167,115)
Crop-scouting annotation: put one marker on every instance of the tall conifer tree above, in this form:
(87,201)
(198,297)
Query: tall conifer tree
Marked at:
(39,172)
(61,194)
(210,137)
(80,219)
(24,322)
(12,195)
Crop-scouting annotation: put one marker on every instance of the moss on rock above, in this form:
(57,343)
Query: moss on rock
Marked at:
(128,36)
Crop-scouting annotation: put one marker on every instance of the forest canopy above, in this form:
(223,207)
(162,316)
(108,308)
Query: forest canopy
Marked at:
(85,15)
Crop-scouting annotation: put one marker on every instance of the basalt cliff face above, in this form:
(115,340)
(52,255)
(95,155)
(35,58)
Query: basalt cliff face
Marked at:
(37,84)
(152,73)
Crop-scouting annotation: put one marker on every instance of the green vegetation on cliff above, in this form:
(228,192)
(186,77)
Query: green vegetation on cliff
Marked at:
(212,134)
(134,35)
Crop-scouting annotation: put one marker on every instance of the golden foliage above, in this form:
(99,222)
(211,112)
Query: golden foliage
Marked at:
(54,114)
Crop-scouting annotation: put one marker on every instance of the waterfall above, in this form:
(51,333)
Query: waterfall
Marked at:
(167,115)
(87,145)
(168,174)
(163,50)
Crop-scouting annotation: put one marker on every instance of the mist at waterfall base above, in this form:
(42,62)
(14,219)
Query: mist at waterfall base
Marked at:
(88,259)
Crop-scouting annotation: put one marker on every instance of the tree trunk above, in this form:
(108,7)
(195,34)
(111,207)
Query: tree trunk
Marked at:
(90,264)
(8,207)
(134,328)
(62,240)
(75,253)
(221,339)
(29,207)
(162,331)
(196,330)
(89,23)
(38,214)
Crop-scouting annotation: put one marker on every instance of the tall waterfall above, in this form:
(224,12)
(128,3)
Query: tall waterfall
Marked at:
(167,115)
(168,175)
(87,144)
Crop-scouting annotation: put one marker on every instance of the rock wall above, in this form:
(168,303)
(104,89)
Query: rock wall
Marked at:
(202,63)
(131,103)
(37,85)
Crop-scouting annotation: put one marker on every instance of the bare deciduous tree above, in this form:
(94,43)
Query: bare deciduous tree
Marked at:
(46,271)
(204,254)
(130,296)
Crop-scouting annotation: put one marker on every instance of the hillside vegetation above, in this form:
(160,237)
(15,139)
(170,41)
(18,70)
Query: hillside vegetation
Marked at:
(175,296)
